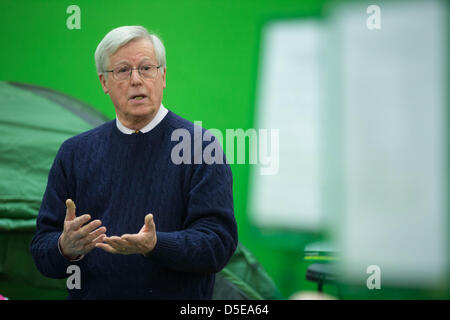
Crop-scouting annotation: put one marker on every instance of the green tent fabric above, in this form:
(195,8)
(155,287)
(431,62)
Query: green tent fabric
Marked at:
(244,279)
(34,121)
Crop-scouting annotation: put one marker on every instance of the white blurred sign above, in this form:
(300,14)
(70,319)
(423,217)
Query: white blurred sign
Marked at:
(394,85)
(288,100)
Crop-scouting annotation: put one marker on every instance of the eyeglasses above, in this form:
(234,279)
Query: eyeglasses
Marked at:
(123,72)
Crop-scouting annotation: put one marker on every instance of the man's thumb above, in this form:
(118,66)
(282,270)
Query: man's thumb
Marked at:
(149,222)
(70,211)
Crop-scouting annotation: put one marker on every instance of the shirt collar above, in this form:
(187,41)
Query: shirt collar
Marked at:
(157,119)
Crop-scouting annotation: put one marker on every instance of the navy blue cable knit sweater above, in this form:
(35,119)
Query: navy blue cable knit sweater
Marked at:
(120,178)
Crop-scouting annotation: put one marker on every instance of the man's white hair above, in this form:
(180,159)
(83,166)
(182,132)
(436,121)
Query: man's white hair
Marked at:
(119,37)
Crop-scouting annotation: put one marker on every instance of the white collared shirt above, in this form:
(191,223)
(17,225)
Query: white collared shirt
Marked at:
(162,112)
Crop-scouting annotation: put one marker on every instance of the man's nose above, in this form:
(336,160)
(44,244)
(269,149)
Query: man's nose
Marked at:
(135,77)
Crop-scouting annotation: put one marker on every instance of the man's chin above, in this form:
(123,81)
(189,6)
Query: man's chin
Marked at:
(141,110)
(141,113)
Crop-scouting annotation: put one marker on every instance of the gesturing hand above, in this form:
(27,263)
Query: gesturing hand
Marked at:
(139,243)
(78,238)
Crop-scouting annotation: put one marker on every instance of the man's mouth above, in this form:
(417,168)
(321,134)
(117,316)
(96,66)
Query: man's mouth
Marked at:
(138,97)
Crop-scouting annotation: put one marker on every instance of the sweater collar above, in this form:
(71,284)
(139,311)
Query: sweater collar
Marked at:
(162,112)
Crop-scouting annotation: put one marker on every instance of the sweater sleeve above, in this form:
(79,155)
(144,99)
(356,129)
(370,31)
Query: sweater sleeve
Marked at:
(50,221)
(209,237)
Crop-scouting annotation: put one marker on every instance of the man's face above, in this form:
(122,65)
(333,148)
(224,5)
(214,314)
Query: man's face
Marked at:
(130,110)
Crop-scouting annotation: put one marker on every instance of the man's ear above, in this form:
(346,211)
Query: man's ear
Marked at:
(102,79)
(164,77)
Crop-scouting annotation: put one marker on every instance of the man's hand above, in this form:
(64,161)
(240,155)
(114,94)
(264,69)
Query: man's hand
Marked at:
(78,238)
(139,243)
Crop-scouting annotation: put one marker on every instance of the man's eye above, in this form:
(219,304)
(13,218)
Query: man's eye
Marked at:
(123,70)
(146,68)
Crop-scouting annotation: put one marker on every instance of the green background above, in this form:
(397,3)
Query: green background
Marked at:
(213,50)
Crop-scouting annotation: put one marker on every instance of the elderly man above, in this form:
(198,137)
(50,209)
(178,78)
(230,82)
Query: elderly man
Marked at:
(143,227)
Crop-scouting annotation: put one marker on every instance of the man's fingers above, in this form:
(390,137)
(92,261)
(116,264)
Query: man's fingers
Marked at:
(133,238)
(99,239)
(115,242)
(92,244)
(88,228)
(70,210)
(106,247)
(113,239)
(79,221)
(94,235)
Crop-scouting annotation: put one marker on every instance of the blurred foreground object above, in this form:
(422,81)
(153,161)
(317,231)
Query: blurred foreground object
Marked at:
(387,136)
(311,295)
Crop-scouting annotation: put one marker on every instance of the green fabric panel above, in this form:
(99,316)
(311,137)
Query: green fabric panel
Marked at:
(224,289)
(244,278)
(245,288)
(32,129)
(17,225)
(16,262)
(14,289)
